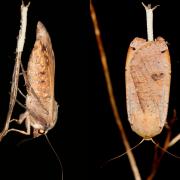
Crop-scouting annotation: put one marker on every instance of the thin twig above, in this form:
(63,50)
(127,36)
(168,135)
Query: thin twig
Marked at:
(174,140)
(157,158)
(149,20)
(111,94)
(15,77)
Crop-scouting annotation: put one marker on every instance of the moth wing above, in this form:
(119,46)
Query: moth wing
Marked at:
(45,39)
(43,35)
(147,87)
(130,88)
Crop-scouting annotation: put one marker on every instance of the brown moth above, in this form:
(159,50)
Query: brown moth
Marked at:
(42,109)
(147,77)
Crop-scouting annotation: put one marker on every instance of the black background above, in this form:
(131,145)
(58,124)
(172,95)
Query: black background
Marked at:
(85,135)
(120,22)
(66,22)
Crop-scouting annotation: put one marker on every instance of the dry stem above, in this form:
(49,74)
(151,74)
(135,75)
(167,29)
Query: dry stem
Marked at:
(15,77)
(111,94)
(174,140)
(149,20)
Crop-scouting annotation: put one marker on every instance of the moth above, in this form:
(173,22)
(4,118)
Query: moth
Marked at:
(147,77)
(41,107)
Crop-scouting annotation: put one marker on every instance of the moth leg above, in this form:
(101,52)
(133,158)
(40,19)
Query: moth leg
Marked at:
(23,117)
(22,93)
(12,120)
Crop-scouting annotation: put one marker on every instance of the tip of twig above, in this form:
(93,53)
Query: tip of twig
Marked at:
(23,4)
(149,7)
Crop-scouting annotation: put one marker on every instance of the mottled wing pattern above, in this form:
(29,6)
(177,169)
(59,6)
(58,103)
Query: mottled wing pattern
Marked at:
(40,74)
(147,86)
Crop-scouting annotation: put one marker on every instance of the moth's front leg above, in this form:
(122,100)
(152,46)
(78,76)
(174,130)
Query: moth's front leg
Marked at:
(23,117)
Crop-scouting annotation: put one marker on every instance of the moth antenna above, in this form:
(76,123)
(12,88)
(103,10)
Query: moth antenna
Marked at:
(24,141)
(119,156)
(57,156)
(22,105)
(22,94)
(178,157)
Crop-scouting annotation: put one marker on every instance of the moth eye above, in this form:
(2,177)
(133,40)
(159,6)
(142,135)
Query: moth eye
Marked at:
(41,131)
(133,48)
(163,51)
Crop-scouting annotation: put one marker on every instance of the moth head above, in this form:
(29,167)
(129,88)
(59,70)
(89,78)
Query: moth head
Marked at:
(41,127)
(40,131)
(136,43)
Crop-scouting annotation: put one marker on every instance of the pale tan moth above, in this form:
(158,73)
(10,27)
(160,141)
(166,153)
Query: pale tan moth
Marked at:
(147,76)
(147,86)
(42,109)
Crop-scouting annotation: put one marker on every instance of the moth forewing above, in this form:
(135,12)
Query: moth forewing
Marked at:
(40,76)
(147,76)
(44,37)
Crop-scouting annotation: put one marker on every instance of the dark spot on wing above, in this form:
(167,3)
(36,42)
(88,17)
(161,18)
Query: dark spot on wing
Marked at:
(157,76)
(42,81)
(42,72)
(44,48)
